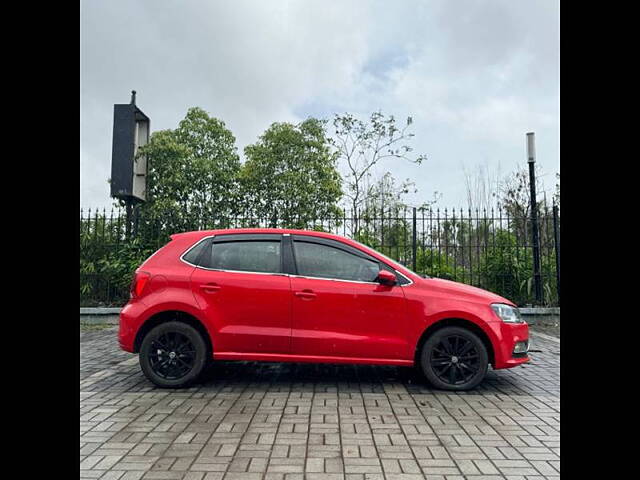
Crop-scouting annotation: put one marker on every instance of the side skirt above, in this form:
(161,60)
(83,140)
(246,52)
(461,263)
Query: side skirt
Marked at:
(283,357)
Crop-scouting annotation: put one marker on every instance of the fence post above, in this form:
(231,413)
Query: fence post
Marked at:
(382,230)
(537,279)
(556,237)
(136,220)
(414,238)
(129,210)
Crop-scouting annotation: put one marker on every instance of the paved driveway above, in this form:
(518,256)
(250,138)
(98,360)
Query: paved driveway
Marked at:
(251,421)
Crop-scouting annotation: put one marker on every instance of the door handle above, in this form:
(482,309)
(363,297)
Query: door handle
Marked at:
(306,294)
(210,287)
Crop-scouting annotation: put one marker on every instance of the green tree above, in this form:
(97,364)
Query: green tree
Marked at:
(290,176)
(515,200)
(507,268)
(438,264)
(364,144)
(193,176)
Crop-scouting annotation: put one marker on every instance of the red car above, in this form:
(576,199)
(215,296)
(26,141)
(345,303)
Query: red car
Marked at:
(301,296)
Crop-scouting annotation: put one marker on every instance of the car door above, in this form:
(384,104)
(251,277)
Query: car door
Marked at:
(338,309)
(240,285)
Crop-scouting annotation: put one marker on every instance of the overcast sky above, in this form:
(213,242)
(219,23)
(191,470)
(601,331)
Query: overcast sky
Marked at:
(474,75)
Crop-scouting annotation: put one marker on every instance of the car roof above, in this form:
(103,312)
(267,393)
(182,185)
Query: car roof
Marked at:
(206,233)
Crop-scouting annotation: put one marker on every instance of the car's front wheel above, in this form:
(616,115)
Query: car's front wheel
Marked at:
(454,358)
(173,354)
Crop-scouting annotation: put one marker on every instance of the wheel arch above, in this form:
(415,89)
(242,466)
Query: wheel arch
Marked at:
(455,322)
(172,315)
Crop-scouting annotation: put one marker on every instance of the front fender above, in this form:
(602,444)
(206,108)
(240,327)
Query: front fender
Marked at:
(430,310)
(466,315)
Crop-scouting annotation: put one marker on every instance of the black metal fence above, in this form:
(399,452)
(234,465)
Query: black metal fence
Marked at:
(489,249)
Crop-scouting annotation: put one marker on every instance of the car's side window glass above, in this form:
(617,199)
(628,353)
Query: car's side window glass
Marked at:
(249,256)
(193,255)
(315,260)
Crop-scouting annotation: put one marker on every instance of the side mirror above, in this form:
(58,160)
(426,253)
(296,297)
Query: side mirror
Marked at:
(385,277)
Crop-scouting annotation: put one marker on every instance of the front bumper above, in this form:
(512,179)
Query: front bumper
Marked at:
(508,334)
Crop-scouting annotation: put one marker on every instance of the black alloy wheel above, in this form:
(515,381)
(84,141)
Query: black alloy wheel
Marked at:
(173,354)
(454,358)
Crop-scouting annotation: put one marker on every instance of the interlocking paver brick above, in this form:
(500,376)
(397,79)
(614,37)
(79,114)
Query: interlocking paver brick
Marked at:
(267,421)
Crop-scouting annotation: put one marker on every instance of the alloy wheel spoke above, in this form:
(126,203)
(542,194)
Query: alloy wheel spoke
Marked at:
(446,369)
(158,345)
(452,375)
(441,362)
(456,345)
(183,362)
(464,365)
(468,346)
(470,356)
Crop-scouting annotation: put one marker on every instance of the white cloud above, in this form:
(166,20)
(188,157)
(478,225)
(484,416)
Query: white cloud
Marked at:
(475,75)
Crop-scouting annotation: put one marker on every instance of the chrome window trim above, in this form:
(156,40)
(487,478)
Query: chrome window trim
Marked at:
(218,269)
(364,255)
(280,274)
(204,239)
(334,279)
(295,276)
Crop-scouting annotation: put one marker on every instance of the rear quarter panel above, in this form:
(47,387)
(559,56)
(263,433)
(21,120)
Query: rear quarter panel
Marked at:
(168,289)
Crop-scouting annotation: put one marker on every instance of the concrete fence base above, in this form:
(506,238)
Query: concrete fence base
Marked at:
(546,317)
(109,316)
(99,316)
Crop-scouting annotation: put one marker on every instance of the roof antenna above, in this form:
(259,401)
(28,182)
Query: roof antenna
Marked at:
(133,97)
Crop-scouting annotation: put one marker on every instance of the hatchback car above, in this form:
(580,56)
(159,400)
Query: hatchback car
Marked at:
(302,296)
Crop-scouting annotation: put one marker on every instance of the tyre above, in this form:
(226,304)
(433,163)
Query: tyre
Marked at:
(173,354)
(454,358)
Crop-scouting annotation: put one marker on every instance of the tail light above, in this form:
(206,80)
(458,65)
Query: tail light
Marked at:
(140,279)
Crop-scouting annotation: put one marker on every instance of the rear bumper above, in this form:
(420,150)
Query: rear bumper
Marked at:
(130,320)
(507,335)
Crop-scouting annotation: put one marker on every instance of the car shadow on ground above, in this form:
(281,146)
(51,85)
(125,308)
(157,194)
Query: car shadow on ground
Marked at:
(310,377)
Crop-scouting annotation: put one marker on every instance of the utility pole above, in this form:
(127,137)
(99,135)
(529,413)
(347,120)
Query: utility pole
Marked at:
(556,234)
(531,158)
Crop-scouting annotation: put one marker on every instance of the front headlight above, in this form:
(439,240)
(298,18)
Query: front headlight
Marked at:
(507,313)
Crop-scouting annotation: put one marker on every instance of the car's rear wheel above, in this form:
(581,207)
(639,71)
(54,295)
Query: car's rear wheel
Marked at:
(454,358)
(173,354)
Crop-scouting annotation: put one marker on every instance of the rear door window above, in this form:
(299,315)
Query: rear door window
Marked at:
(261,256)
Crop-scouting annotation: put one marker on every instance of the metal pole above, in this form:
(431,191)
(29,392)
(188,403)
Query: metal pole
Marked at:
(531,156)
(129,205)
(414,240)
(556,235)
(382,230)
(136,220)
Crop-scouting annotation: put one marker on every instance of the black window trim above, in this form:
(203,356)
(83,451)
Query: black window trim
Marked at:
(195,245)
(288,264)
(247,237)
(237,237)
(329,242)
